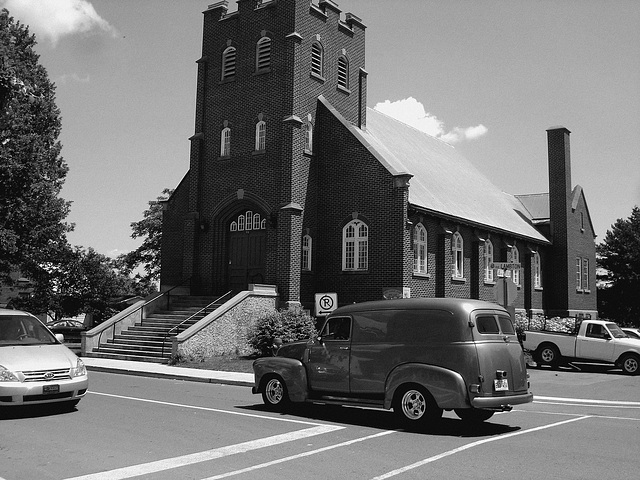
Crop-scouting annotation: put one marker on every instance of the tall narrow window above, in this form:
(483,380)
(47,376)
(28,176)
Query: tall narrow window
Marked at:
(306,252)
(343,72)
(585,274)
(488,260)
(229,63)
(514,257)
(308,137)
(457,248)
(578,273)
(537,271)
(261,133)
(263,54)
(419,249)
(225,142)
(317,59)
(355,246)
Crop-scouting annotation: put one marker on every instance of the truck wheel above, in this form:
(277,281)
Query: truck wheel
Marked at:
(415,406)
(473,415)
(630,364)
(274,393)
(548,355)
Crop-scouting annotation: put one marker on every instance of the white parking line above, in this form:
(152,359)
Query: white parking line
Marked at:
(471,445)
(299,455)
(208,409)
(207,455)
(591,402)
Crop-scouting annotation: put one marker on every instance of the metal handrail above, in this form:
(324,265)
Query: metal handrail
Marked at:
(203,309)
(168,295)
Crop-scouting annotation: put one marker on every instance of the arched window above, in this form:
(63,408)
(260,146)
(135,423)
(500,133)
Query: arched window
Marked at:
(513,256)
(228,63)
(419,249)
(537,271)
(306,252)
(488,260)
(225,142)
(261,133)
(263,54)
(343,72)
(355,246)
(317,59)
(457,248)
(248,221)
(308,137)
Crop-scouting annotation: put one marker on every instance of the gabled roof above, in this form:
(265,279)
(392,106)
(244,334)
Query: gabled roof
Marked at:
(443,182)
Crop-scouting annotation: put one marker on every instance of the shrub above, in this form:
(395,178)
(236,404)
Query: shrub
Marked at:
(289,325)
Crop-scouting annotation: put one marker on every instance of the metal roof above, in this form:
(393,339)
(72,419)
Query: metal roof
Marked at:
(443,181)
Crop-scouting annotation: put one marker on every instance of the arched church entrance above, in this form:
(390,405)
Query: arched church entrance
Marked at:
(247,250)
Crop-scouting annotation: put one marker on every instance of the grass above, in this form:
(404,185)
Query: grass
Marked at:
(225,363)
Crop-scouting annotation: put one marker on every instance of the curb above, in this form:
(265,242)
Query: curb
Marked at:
(173,376)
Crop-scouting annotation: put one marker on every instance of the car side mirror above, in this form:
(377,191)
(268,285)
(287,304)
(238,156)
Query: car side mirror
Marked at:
(607,336)
(277,343)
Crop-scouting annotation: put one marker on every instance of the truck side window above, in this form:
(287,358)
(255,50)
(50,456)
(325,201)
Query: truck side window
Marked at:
(506,325)
(594,330)
(487,325)
(338,328)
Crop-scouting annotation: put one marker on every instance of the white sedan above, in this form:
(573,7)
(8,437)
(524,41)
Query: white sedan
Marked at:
(632,332)
(35,367)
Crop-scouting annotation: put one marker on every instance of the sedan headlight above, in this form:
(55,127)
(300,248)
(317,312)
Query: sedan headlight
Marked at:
(79,370)
(7,375)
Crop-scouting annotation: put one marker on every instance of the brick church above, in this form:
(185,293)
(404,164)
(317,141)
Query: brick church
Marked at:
(294,182)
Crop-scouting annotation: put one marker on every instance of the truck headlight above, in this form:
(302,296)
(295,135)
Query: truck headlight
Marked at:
(79,370)
(7,375)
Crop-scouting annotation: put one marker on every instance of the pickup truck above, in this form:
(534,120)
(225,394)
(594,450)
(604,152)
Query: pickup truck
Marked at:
(594,341)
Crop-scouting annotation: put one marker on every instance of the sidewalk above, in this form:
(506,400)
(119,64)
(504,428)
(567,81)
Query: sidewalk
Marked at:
(157,370)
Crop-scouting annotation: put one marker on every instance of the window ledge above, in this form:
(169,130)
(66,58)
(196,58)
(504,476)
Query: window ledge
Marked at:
(458,279)
(490,283)
(262,71)
(538,289)
(422,274)
(315,76)
(342,89)
(228,80)
(258,152)
(308,153)
(355,272)
(224,157)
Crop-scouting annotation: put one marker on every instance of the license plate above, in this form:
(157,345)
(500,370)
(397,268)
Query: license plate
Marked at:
(50,389)
(501,385)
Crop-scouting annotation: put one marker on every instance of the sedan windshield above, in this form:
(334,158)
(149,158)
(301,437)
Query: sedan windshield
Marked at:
(24,330)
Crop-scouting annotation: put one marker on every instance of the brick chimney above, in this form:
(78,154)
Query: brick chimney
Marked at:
(559,210)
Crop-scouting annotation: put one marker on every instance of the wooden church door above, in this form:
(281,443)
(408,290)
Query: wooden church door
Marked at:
(247,250)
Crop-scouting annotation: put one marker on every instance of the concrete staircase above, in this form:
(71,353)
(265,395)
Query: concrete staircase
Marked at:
(144,341)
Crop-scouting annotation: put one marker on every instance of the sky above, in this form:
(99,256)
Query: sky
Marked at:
(487,76)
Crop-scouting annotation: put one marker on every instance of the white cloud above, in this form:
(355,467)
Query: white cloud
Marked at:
(412,112)
(54,19)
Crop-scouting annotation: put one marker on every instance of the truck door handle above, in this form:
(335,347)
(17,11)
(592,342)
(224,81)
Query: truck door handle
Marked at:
(344,348)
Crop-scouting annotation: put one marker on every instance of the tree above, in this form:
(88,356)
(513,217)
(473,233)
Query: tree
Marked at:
(619,256)
(147,255)
(32,172)
(83,281)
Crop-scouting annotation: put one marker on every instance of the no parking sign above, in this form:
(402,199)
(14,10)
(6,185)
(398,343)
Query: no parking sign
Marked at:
(326,303)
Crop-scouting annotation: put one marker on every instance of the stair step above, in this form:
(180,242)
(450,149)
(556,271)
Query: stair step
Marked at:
(150,340)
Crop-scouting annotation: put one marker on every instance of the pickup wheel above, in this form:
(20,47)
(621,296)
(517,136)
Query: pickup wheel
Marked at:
(473,415)
(630,364)
(415,406)
(548,355)
(274,393)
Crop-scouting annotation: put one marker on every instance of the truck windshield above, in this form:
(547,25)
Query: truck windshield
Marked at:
(615,330)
